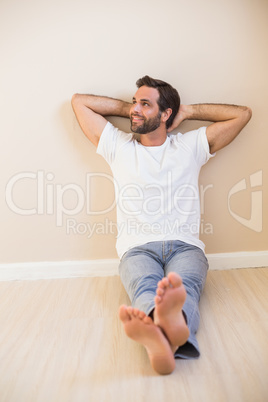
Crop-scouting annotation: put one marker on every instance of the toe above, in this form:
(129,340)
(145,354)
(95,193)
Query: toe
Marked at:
(163,283)
(123,313)
(157,299)
(147,320)
(130,311)
(174,279)
(141,315)
(160,291)
(135,312)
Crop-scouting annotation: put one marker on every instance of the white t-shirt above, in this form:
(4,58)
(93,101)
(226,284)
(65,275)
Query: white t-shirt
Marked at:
(156,188)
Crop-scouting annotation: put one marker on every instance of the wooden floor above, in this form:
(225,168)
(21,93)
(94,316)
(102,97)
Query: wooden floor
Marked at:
(61,340)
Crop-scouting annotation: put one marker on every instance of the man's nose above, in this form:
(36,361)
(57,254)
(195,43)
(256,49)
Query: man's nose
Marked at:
(136,107)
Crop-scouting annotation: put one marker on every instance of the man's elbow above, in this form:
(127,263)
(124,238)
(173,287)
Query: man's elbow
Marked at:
(247,114)
(75,99)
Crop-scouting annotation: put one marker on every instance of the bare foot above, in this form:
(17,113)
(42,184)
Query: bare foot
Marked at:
(141,328)
(169,300)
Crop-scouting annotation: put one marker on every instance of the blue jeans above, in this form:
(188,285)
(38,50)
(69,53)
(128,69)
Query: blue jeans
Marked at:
(142,267)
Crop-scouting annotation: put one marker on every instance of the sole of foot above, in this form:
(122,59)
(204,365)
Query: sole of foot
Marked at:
(168,315)
(141,328)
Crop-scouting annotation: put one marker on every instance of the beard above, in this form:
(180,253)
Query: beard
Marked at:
(148,125)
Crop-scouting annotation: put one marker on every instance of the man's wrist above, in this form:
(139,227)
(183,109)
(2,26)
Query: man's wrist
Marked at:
(188,111)
(126,106)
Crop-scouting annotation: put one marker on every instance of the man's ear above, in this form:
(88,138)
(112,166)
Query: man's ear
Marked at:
(166,114)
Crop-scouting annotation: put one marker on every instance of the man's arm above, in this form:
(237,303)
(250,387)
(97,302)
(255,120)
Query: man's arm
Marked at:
(228,121)
(90,111)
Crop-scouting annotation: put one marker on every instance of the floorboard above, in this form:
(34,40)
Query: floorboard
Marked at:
(61,340)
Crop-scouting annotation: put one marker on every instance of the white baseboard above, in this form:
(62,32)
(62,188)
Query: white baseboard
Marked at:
(58,269)
(109,267)
(243,259)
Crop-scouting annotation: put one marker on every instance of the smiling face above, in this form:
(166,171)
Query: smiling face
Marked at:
(145,115)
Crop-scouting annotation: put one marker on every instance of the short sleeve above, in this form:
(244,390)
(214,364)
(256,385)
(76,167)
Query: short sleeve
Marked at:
(197,141)
(110,141)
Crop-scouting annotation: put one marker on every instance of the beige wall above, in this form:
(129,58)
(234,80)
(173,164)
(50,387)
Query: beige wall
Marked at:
(210,50)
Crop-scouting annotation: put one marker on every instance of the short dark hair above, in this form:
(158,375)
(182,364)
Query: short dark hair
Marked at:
(168,96)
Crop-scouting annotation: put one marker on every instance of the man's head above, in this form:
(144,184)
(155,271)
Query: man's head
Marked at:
(163,97)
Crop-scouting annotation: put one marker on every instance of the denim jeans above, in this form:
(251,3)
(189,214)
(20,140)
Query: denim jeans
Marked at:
(142,267)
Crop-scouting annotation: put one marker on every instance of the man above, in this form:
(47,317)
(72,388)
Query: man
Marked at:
(162,262)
